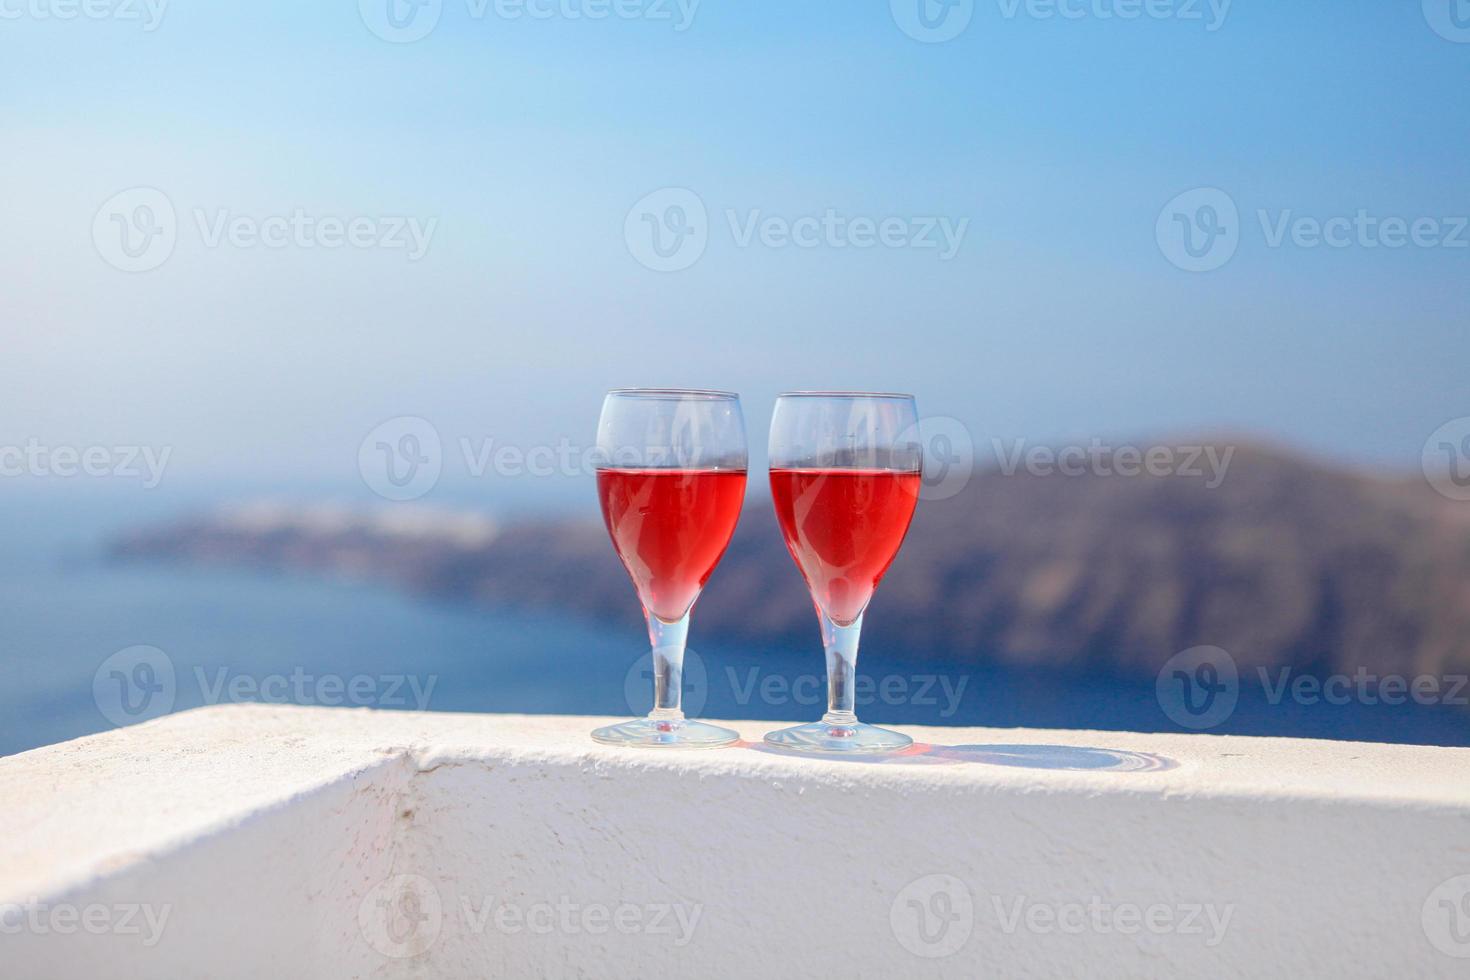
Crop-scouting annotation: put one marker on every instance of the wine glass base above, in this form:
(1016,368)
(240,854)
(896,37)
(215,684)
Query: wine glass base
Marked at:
(665,734)
(823,738)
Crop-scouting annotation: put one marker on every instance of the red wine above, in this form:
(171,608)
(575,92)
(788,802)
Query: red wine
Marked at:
(670,528)
(844,528)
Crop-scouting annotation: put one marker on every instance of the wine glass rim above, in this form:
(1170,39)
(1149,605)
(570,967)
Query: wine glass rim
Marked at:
(899,395)
(673,393)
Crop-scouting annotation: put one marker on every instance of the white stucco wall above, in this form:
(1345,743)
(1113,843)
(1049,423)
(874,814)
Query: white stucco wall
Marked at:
(269,841)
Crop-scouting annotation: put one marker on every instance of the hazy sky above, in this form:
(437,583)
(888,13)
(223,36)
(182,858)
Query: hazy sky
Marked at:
(1048,146)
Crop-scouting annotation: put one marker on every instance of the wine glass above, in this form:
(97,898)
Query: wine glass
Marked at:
(845,478)
(671,478)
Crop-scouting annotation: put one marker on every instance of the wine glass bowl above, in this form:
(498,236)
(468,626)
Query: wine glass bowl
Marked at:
(671,479)
(845,480)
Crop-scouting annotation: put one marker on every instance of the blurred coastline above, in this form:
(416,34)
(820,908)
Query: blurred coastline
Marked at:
(454,609)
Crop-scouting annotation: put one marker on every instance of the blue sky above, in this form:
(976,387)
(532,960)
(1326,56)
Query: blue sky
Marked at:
(528,141)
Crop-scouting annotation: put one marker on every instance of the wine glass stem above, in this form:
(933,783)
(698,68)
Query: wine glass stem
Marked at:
(841,643)
(668,641)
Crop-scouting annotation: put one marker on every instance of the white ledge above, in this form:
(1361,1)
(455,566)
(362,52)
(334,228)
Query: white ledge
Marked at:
(254,840)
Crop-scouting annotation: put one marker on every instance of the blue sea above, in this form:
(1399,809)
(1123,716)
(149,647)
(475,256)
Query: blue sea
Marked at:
(87,644)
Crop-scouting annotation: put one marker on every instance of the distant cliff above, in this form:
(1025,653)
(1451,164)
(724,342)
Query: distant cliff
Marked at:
(1284,562)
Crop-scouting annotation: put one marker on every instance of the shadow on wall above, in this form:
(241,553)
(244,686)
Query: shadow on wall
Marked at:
(1068,758)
